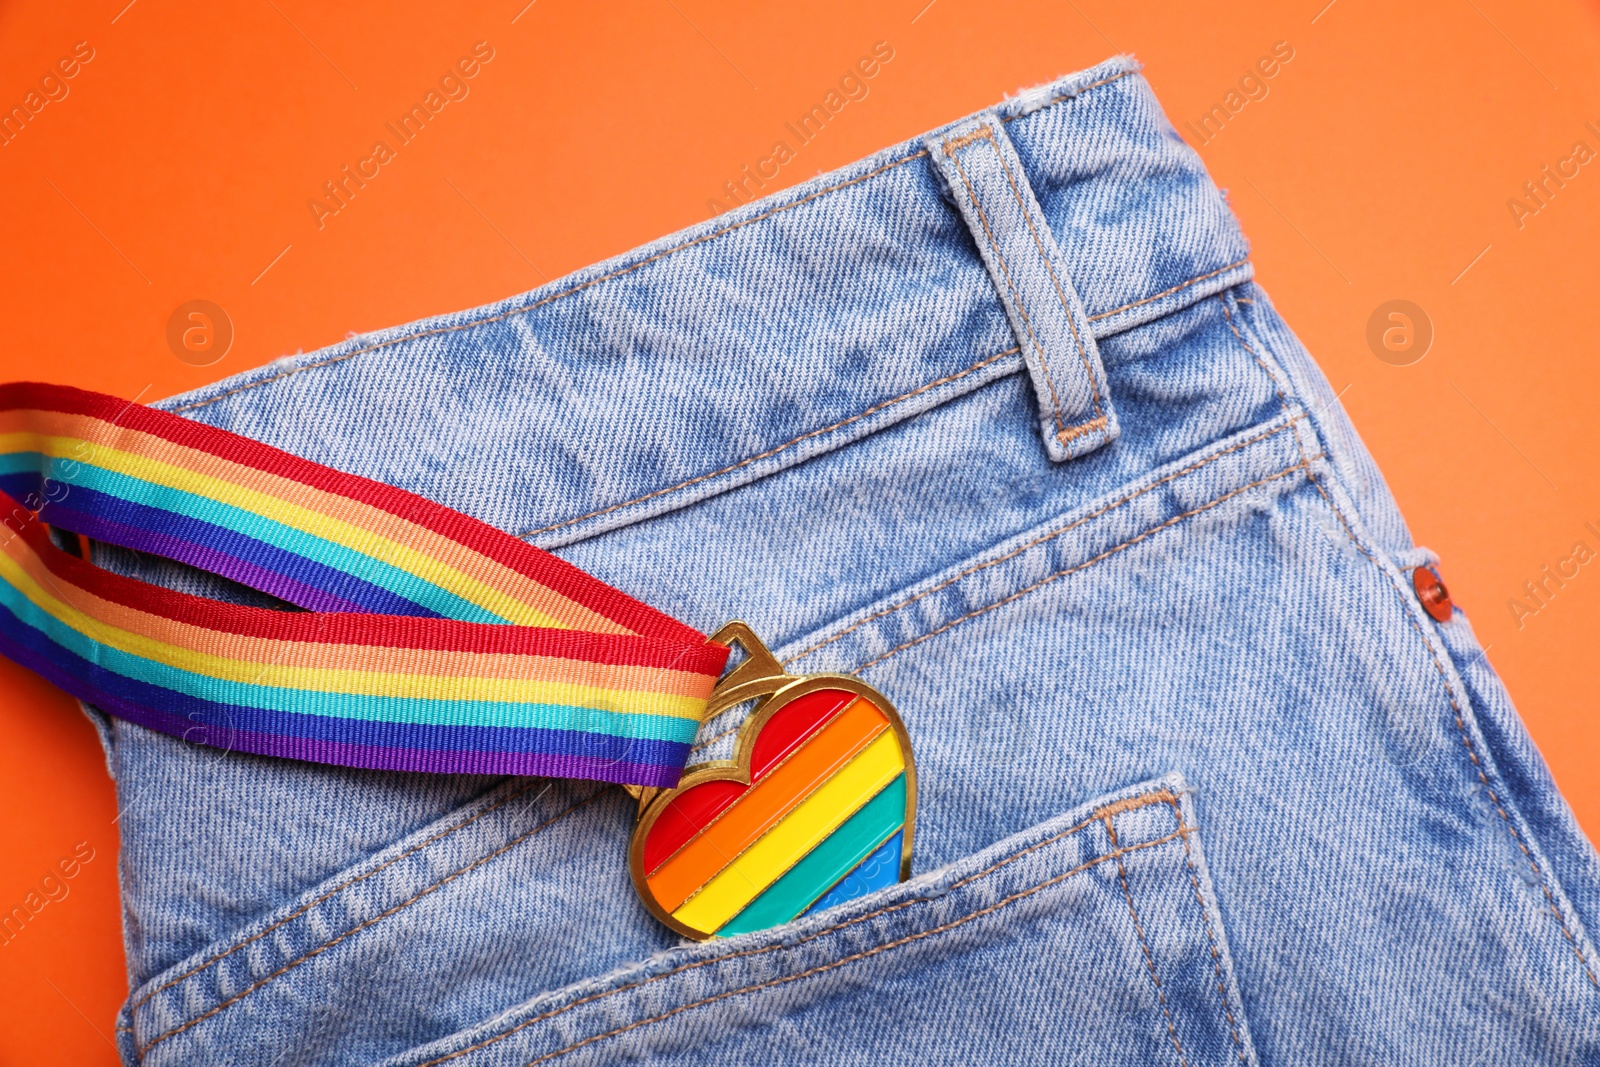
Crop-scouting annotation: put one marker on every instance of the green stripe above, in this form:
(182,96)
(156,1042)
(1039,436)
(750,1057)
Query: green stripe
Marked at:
(821,869)
(345,705)
(251,524)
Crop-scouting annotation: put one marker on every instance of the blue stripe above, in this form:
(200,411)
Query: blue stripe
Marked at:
(181,502)
(330,580)
(878,871)
(87,681)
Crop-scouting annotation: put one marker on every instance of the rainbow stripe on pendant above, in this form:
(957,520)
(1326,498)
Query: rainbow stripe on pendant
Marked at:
(822,819)
(430,640)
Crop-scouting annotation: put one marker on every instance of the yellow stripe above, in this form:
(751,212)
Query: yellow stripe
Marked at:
(802,830)
(354,682)
(279,510)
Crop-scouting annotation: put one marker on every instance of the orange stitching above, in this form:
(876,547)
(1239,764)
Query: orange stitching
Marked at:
(832,929)
(426,890)
(1216,956)
(1083,354)
(1160,796)
(841,961)
(1444,677)
(1075,523)
(623,270)
(1087,564)
(1087,427)
(1072,433)
(1277,387)
(1168,292)
(952,145)
(1144,943)
(1137,801)
(874,409)
(335,891)
(1012,285)
(859,415)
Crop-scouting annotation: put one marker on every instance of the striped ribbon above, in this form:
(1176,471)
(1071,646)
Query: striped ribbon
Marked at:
(429,640)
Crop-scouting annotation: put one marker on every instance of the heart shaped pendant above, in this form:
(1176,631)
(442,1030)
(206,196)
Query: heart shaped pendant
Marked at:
(816,807)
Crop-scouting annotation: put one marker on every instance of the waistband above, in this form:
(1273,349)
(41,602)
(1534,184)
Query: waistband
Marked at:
(777,332)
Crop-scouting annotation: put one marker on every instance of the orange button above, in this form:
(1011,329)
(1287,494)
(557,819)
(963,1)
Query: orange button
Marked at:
(1431,591)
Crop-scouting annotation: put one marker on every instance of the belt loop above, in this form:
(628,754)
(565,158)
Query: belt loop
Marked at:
(988,184)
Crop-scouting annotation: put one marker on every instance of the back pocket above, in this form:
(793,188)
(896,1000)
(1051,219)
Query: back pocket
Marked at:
(1091,938)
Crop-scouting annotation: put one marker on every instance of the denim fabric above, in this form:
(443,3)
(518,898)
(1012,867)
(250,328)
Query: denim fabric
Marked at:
(1199,780)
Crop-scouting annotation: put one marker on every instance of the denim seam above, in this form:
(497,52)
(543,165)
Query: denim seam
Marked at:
(1144,942)
(1072,320)
(1016,297)
(630,268)
(1444,677)
(1216,955)
(1041,539)
(697,479)
(1153,297)
(335,891)
(880,406)
(1142,800)
(1304,465)
(330,943)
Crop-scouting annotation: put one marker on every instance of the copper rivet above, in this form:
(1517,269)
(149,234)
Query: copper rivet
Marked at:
(1431,591)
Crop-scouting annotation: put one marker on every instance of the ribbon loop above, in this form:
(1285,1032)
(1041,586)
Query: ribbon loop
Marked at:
(430,640)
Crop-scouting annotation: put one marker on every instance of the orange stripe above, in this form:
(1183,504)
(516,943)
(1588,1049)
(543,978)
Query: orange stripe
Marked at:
(768,801)
(386,659)
(490,572)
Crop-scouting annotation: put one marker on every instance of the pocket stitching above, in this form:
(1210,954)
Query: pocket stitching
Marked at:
(1216,955)
(1127,804)
(1144,942)
(1019,550)
(1304,464)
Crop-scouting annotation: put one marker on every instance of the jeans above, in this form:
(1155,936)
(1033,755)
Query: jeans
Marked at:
(998,420)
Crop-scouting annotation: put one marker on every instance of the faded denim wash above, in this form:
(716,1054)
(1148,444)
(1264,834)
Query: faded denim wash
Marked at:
(998,419)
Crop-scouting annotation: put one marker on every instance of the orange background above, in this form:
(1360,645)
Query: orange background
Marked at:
(1378,167)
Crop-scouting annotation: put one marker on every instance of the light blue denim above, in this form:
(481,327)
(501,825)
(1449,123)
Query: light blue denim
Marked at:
(998,419)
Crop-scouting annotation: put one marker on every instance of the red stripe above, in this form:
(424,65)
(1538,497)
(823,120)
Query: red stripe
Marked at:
(687,814)
(792,725)
(694,809)
(494,543)
(395,631)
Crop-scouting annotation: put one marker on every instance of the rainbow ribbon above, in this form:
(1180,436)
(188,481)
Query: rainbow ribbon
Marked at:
(430,641)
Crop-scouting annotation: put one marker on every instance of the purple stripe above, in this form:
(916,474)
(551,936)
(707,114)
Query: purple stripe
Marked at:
(376,757)
(141,540)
